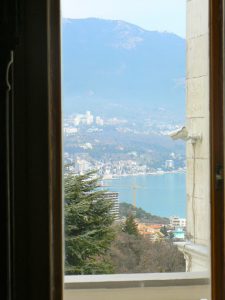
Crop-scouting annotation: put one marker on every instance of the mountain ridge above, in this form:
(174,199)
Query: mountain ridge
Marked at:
(119,69)
(65,20)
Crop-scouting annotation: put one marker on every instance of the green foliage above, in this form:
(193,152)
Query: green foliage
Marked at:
(171,235)
(88,225)
(164,231)
(130,226)
(143,216)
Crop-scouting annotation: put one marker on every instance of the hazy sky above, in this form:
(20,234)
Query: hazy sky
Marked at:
(160,15)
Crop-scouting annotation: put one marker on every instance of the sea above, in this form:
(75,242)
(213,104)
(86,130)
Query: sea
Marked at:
(163,195)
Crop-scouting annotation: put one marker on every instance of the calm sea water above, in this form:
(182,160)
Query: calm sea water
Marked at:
(163,195)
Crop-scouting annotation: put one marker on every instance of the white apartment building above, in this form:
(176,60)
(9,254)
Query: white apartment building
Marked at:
(114,197)
(177,222)
(89,118)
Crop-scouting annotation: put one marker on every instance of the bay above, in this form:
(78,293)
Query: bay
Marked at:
(163,195)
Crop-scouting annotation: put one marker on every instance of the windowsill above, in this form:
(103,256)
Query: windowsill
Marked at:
(136,280)
(192,247)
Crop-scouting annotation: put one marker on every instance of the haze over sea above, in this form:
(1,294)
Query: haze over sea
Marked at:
(163,195)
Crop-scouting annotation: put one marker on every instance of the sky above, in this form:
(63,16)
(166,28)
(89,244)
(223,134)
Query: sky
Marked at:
(160,15)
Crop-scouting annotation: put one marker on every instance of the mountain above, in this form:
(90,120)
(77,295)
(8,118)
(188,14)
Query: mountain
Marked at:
(114,68)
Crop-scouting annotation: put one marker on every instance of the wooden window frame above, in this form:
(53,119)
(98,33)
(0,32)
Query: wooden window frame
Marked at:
(216,38)
(30,154)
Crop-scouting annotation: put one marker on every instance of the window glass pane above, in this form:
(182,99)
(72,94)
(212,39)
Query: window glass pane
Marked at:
(136,140)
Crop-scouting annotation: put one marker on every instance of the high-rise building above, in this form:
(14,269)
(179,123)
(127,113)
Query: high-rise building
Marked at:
(114,197)
(89,118)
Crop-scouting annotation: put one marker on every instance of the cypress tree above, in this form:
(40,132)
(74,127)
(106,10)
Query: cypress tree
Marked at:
(130,226)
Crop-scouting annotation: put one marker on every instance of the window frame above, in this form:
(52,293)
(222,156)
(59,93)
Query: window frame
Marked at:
(31,155)
(217,121)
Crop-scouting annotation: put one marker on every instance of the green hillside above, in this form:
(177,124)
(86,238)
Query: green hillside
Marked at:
(142,215)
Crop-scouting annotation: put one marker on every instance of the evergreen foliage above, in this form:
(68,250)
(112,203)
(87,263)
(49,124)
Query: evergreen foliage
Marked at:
(88,226)
(130,226)
(164,231)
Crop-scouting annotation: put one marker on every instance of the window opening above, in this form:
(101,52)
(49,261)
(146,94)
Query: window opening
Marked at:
(136,136)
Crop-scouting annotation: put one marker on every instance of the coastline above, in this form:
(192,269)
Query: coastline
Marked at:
(156,173)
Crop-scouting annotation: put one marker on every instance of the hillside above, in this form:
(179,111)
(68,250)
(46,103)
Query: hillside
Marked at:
(142,215)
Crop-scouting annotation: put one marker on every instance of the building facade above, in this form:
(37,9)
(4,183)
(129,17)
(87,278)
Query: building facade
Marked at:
(114,197)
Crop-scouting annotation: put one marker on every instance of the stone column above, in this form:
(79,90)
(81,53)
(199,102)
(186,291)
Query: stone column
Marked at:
(197,122)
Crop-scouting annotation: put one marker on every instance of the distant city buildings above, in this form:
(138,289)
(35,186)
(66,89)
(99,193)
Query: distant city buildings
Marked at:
(99,121)
(150,231)
(86,119)
(70,131)
(177,222)
(82,166)
(169,164)
(86,146)
(85,141)
(112,168)
(172,231)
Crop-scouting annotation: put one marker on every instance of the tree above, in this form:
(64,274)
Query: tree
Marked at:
(164,231)
(161,256)
(136,254)
(130,226)
(167,233)
(171,235)
(88,225)
(125,252)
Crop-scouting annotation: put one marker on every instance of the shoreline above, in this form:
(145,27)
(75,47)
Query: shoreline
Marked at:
(156,173)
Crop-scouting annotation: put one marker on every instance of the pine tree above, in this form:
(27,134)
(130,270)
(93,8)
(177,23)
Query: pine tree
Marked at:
(88,226)
(130,226)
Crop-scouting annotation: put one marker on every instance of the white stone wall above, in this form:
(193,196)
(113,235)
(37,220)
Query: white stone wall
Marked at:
(197,112)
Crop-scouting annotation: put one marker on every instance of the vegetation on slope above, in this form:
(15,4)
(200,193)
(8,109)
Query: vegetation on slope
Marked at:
(126,209)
